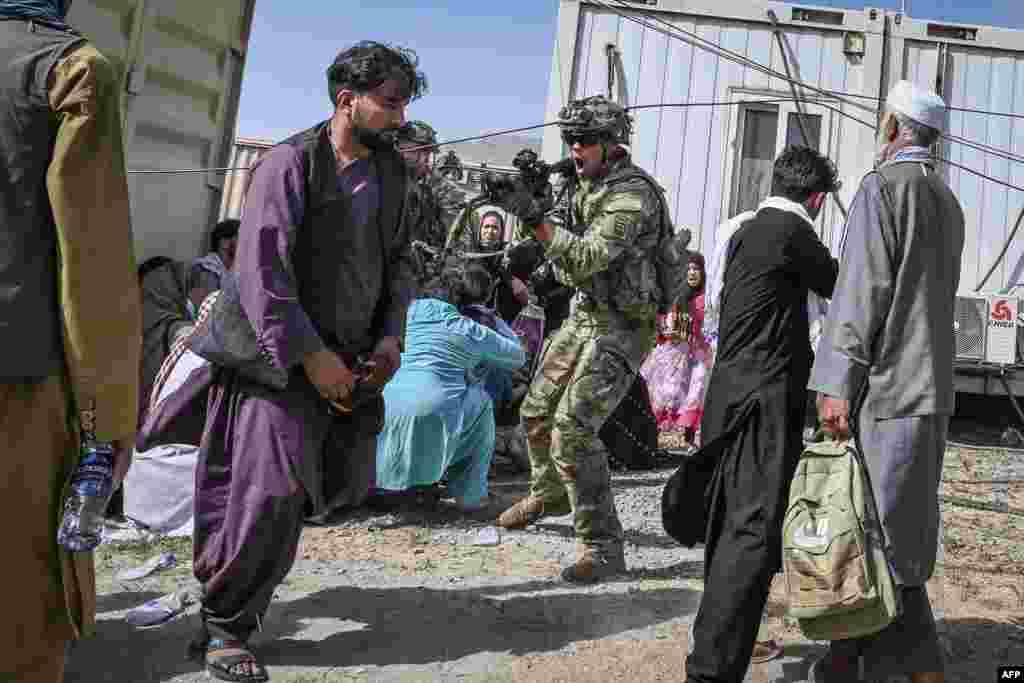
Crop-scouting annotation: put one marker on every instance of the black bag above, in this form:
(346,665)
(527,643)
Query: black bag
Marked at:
(687,495)
(631,432)
(224,336)
(685,498)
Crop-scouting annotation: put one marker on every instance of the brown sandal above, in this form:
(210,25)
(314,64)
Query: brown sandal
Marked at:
(765,651)
(224,656)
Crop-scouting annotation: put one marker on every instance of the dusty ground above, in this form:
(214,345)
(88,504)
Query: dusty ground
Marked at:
(406,596)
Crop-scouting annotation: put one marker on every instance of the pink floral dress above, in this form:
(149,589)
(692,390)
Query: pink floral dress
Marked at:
(676,370)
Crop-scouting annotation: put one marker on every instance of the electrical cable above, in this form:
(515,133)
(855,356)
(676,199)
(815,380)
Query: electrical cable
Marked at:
(768,71)
(935,158)
(645,106)
(188,170)
(710,46)
(411,149)
(750,63)
(697,41)
(483,136)
(461,140)
(1006,247)
(967,110)
(801,114)
(704,44)
(744,61)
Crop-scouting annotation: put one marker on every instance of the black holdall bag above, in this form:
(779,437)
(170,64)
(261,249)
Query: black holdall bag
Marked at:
(224,336)
(685,498)
(688,494)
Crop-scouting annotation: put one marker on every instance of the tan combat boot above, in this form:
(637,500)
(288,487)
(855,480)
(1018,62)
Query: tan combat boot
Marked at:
(595,564)
(528,511)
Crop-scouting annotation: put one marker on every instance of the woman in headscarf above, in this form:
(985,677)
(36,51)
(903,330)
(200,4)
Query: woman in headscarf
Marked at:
(676,370)
(439,418)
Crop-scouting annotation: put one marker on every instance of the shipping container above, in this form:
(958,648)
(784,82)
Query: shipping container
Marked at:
(714,160)
(180,66)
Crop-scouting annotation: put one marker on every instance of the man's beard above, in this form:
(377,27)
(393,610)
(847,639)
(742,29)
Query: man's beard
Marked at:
(369,137)
(374,139)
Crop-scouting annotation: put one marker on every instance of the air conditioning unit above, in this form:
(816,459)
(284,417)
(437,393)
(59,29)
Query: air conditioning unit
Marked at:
(986,328)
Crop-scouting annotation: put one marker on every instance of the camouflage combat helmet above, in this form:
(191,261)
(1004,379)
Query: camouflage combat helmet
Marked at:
(417,132)
(596,115)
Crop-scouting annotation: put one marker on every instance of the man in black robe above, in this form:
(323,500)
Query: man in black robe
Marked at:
(753,414)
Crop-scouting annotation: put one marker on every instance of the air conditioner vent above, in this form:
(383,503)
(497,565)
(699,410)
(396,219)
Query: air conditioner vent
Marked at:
(818,16)
(954,32)
(969,328)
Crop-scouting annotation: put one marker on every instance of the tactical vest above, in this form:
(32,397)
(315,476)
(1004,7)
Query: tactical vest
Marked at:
(333,262)
(630,285)
(30,322)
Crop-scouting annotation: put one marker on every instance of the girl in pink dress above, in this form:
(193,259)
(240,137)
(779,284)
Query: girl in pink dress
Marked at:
(676,370)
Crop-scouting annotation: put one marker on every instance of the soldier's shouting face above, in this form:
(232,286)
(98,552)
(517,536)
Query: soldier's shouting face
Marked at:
(588,153)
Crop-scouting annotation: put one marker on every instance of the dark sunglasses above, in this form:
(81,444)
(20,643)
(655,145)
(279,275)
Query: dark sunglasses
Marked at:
(584,139)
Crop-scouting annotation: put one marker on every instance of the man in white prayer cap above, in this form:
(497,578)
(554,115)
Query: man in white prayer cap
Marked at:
(884,369)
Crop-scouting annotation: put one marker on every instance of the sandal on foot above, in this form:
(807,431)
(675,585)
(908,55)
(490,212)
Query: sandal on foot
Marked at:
(765,651)
(223,657)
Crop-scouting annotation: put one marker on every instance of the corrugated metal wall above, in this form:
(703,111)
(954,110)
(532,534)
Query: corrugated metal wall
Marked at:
(684,148)
(244,154)
(984,80)
(181,65)
(694,151)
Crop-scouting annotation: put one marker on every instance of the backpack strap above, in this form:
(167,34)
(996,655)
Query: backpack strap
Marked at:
(632,174)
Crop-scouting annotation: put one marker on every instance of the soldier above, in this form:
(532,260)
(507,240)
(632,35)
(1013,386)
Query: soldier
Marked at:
(434,201)
(592,361)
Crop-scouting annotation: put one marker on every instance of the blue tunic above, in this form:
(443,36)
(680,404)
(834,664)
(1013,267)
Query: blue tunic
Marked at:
(439,419)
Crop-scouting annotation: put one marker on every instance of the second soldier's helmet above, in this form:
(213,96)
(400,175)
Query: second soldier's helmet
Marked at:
(596,115)
(417,132)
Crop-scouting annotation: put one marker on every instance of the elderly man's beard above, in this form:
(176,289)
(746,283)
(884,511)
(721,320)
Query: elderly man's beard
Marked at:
(886,147)
(882,147)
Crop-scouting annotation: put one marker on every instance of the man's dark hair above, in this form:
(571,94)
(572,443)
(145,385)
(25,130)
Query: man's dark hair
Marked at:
(799,172)
(501,219)
(225,230)
(149,265)
(364,66)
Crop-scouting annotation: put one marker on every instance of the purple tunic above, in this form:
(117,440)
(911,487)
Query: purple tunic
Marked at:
(274,210)
(268,458)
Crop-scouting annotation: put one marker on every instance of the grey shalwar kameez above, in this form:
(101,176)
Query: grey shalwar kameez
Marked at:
(889,339)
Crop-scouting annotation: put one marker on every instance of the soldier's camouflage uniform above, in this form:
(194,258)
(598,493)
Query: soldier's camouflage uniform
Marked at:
(589,365)
(434,204)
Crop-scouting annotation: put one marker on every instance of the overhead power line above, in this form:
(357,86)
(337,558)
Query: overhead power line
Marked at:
(695,40)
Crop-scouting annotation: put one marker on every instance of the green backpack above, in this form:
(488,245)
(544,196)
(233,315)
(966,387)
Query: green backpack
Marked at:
(837,577)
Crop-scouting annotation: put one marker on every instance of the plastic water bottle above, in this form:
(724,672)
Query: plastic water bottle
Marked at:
(92,484)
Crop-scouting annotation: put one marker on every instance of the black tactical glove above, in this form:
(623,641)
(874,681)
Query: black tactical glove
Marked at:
(526,206)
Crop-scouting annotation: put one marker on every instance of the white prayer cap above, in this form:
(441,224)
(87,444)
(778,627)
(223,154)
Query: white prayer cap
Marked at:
(916,103)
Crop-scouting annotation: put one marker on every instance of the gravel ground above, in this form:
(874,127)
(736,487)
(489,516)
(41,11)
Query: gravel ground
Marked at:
(408,596)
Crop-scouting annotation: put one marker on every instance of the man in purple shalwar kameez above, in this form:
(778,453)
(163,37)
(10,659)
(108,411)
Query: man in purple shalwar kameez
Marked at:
(324,275)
